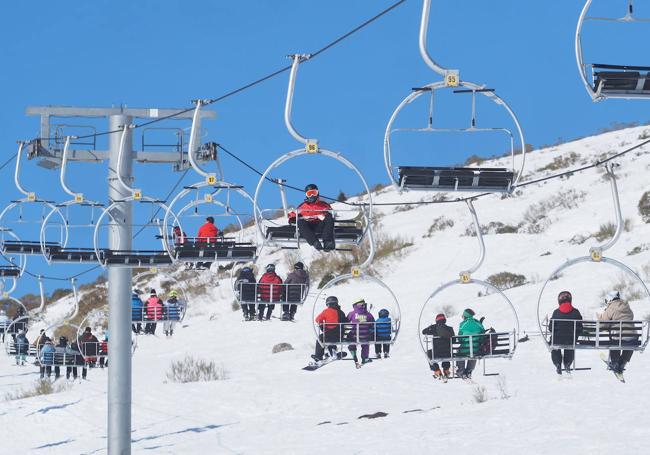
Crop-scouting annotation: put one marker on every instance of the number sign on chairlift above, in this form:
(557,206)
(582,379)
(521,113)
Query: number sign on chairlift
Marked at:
(347,232)
(439,178)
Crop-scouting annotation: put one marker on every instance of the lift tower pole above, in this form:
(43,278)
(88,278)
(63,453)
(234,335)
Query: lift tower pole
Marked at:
(49,151)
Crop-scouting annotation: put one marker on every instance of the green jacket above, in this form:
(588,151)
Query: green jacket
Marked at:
(470,326)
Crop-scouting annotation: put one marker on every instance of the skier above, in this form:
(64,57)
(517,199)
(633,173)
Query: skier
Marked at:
(46,358)
(467,331)
(330,321)
(315,217)
(89,345)
(269,289)
(74,360)
(208,233)
(297,286)
(565,327)
(103,352)
(4,323)
(137,314)
(383,332)
(22,348)
(362,330)
(245,288)
(19,322)
(440,346)
(619,310)
(153,310)
(174,308)
(61,356)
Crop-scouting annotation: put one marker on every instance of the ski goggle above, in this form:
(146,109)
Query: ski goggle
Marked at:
(311,193)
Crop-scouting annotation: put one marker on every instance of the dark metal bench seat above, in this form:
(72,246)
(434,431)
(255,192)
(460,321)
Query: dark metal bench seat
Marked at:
(456,178)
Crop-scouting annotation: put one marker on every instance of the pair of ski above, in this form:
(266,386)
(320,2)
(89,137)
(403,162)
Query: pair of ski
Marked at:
(618,375)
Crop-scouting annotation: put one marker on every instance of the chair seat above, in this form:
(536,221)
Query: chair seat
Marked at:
(501,344)
(9,271)
(224,250)
(136,258)
(456,178)
(621,80)
(630,335)
(58,254)
(24,247)
(344,231)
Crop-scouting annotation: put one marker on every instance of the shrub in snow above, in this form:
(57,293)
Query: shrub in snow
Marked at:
(536,216)
(281,347)
(561,162)
(644,207)
(480,394)
(607,230)
(196,370)
(638,249)
(439,224)
(630,289)
(40,387)
(506,280)
(493,227)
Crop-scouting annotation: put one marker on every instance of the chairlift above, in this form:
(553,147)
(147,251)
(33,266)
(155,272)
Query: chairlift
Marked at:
(15,262)
(268,293)
(59,251)
(166,313)
(347,232)
(447,179)
(604,81)
(498,344)
(600,335)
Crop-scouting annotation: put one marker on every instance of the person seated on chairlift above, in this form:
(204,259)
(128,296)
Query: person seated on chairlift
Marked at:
(174,309)
(78,360)
(137,315)
(330,321)
(89,347)
(153,310)
(383,332)
(62,355)
(22,348)
(268,292)
(4,323)
(300,277)
(245,290)
(208,233)
(46,358)
(19,325)
(469,326)
(362,330)
(178,236)
(440,346)
(103,351)
(565,329)
(618,309)
(315,217)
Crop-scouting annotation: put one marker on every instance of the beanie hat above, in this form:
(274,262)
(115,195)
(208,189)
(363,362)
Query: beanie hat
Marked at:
(441,318)
(299,265)
(564,297)
(153,291)
(331,301)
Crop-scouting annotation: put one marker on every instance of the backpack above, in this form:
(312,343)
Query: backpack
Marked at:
(489,342)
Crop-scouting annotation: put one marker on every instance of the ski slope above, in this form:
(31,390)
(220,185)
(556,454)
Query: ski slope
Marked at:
(268,405)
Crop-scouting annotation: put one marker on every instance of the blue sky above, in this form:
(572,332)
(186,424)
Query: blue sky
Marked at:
(164,53)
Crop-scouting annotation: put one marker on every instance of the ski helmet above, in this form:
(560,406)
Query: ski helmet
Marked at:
(247,270)
(359,303)
(564,297)
(440,317)
(468,313)
(173,294)
(311,193)
(332,301)
(383,313)
(612,295)
(299,266)
(270,268)
(153,291)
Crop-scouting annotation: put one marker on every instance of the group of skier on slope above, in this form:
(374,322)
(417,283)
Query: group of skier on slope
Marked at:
(153,310)
(258,296)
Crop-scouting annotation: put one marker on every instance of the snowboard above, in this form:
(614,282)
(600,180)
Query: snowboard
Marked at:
(313,366)
(619,376)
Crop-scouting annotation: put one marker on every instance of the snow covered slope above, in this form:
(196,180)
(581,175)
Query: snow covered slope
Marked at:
(269,405)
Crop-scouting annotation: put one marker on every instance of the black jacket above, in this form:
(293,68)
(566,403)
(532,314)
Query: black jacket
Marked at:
(442,345)
(246,284)
(562,332)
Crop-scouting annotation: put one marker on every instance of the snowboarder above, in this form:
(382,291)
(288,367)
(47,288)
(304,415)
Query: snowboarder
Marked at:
(245,288)
(269,289)
(208,233)
(469,343)
(362,330)
(297,286)
(137,312)
(22,348)
(619,310)
(174,308)
(383,332)
(315,217)
(153,310)
(564,327)
(440,345)
(331,321)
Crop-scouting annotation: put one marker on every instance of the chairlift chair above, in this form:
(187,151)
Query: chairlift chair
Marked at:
(166,314)
(595,334)
(23,322)
(347,232)
(604,81)
(451,179)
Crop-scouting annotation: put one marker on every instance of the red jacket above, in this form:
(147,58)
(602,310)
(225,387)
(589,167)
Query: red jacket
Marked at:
(328,315)
(154,308)
(311,211)
(267,292)
(208,233)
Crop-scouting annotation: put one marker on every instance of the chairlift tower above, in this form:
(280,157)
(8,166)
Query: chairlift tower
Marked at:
(48,150)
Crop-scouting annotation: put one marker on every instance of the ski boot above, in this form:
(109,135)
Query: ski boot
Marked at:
(437,374)
(329,246)
(365,360)
(386,355)
(285,317)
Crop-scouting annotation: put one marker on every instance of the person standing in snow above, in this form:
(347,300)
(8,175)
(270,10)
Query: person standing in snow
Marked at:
(440,345)
(297,286)
(383,332)
(269,290)
(619,310)
(362,330)
(470,341)
(330,321)
(245,289)
(565,328)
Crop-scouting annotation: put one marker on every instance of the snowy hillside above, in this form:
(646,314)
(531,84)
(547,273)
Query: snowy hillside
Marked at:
(268,405)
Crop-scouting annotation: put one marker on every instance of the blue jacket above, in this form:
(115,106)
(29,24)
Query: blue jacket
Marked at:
(47,354)
(136,309)
(173,307)
(383,329)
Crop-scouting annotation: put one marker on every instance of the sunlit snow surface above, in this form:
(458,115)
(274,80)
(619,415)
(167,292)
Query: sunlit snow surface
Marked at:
(269,405)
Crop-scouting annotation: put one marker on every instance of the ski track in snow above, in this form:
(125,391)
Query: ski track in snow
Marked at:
(268,405)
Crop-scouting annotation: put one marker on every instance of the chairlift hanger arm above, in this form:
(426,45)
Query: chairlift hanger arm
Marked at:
(297,59)
(19,156)
(424,26)
(609,168)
